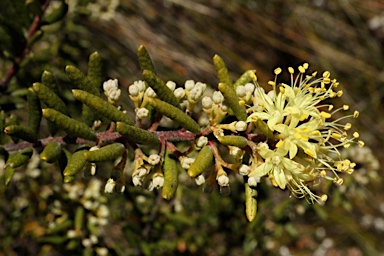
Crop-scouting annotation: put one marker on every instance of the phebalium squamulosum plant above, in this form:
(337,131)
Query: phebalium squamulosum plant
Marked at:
(289,135)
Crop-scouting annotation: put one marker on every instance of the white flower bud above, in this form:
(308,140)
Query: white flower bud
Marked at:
(109,186)
(142,113)
(114,95)
(196,93)
(235,151)
(240,91)
(92,171)
(201,141)
(250,87)
(140,85)
(157,182)
(171,85)
(154,159)
(110,85)
(133,90)
(179,93)
(189,84)
(252,181)
(200,180)
(241,126)
(203,86)
(141,172)
(150,92)
(223,180)
(136,181)
(244,169)
(224,108)
(186,162)
(206,102)
(217,97)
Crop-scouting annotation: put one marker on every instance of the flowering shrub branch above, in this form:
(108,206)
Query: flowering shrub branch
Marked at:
(289,134)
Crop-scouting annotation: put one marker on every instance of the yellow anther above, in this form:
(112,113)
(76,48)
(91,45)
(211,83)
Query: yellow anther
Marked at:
(339,93)
(277,71)
(345,107)
(323,173)
(305,65)
(241,102)
(253,76)
(325,114)
(326,74)
(336,135)
(291,70)
(356,114)
(330,107)
(326,80)
(360,143)
(314,73)
(350,171)
(301,69)
(309,152)
(347,145)
(271,83)
(356,135)
(324,198)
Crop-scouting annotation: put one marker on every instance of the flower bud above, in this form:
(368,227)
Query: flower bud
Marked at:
(241,126)
(217,97)
(201,141)
(189,84)
(154,159)
(206,102)
(171,85)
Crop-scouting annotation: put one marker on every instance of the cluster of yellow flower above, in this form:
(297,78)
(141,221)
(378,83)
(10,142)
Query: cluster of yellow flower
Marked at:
(305,142)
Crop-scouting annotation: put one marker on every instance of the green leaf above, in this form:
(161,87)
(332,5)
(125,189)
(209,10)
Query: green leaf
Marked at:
(102,107)
(171,176)
(69,125)
(137,135)
(109,152)
(176,115)
(49,98)
(21,132)
(221,70)
(145,61)
(202,162)
(233,101)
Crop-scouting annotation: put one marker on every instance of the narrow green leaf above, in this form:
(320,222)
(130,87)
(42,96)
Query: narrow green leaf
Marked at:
(49,98)
(19,158)
(176,115)
(95,70)
(75,164)
(202,162)
(102,107)
(171,176)
(145,61)
(51,153)
(69,125)
(49,80)
(233,140)
(222,71)
(8,174)
(56,14)
(81,81)
(21,132)
(233,101)
(250,202)
(34,111)
(137,135)
(109,152)
(161,89)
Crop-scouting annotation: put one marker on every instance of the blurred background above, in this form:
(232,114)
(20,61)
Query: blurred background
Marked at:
(344,37)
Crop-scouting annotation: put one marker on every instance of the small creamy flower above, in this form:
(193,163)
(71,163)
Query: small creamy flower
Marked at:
(244,170)
(142,113)
(150,92)
(109,186)
(200,180)
(223,180)
(110,85)
(250,88)
(137,181)
(141,172)
(87,242)
(206,102)
(186,162)
(241,126)
(235,151)
(201,141)
(171,85)
(154,159)
(114,95)
(252,181)
(157,182)
(241,91)
(133,90)
(217,97)
(179,93)
(189,84)
(101,251)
